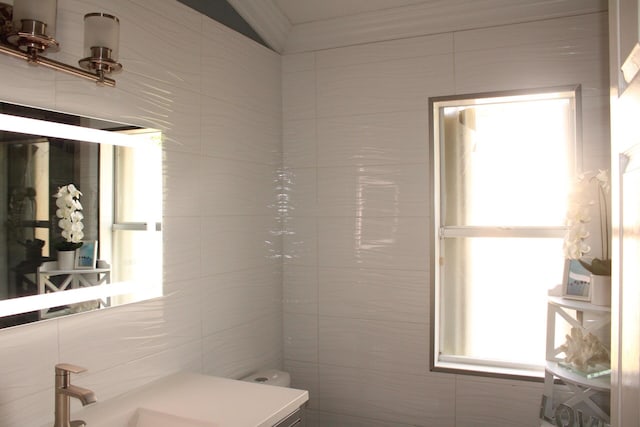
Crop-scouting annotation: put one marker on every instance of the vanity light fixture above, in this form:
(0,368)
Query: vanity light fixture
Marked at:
(32,33)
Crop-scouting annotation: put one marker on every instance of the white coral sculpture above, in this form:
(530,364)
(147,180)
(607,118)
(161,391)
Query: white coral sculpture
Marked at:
(584,351)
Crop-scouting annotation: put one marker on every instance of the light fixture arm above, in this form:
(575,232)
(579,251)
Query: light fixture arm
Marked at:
(34,58)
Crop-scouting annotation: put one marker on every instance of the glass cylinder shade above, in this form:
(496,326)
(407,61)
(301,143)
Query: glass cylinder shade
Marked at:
(101,30)
(44,11)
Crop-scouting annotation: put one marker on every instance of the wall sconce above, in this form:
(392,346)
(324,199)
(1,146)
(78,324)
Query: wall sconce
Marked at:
(32,33)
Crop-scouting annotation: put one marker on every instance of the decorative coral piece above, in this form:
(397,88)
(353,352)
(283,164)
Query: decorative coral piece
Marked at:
(584,351)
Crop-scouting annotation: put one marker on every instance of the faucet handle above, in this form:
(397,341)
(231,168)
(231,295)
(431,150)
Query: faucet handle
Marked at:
(66,368)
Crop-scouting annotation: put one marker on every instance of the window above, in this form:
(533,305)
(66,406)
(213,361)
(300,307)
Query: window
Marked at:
(502,165)
(131,223)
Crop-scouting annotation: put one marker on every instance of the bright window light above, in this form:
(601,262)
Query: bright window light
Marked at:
(502,173)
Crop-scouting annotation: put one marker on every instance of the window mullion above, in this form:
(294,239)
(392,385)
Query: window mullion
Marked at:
(484,231)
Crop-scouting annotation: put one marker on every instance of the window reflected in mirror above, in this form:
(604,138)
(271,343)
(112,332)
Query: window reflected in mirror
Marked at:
(111,221)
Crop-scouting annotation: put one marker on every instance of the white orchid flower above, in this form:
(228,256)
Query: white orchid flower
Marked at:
(581,205)
(69,207)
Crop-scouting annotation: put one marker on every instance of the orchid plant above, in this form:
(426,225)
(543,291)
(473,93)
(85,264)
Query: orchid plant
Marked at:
(581,203)
(69,212)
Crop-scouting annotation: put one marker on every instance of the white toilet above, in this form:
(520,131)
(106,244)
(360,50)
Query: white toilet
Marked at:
(270,377)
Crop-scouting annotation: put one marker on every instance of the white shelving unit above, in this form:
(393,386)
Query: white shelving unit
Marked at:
(580,392)
(70,279)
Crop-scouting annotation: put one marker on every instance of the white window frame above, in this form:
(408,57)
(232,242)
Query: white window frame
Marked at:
(110,224)
(462,364)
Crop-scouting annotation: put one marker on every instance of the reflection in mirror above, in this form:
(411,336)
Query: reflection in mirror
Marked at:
(89,186)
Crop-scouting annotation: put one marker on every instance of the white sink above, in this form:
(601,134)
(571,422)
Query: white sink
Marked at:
(150,418)
(194,400)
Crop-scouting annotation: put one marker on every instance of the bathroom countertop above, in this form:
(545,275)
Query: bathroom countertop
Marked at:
(201,400)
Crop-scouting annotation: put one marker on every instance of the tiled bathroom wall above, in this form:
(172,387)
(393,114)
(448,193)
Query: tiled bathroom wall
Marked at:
(217,98)
(356,246)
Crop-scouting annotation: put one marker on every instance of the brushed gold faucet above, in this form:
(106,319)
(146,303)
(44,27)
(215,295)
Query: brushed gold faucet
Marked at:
(64,390)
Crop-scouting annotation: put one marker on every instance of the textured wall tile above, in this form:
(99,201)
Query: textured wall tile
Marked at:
(300,191)
(393,242)
(304,376)
(239,71)
(233,299)
(300,289)
(33,410)
(395,295)
(300,241)
(401,85)
(591,27)
(183,185)
(325,419)
(232,243)
(232,187)
(572,51)
(392,50)
(299,95)
(239,133)
(301,337)
(26,84)
(298,62)
(416,400)
(242,350)
(182,259)
(374,139)
(97,341)
(373,344)
(515,67)
(182,15)
(595,135)
(499,403)
(299,143)
(114,381)
(381,190)
(29,354)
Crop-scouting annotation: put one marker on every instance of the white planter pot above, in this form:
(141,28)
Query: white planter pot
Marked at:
(66,260)
(600,290)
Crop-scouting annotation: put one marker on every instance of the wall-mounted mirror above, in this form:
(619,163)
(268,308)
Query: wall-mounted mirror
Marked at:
(80,214)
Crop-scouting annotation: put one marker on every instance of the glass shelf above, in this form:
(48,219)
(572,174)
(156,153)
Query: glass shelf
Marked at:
(602,382)
(592,372)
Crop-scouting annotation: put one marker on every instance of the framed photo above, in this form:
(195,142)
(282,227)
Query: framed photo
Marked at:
(577,281)
(86,255)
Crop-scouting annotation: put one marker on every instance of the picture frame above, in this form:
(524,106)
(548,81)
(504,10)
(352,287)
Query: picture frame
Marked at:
(86,255)
(576,282)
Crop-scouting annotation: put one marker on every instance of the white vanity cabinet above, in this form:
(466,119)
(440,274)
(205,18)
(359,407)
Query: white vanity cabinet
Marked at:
(574,398)
(294,420)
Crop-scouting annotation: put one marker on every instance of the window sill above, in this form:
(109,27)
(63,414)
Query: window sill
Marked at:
(478,368)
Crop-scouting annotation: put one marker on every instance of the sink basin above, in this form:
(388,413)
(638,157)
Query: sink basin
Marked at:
(195,400)
(150,418)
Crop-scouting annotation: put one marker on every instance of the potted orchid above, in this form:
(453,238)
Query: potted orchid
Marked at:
(70,222)
(581,203)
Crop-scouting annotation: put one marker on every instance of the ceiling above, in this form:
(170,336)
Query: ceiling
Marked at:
(295,26)
(305,11)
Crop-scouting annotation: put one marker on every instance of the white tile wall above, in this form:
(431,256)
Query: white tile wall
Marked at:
(356,143)
(414,399)
(499,403)
(373,294)
(373,139)
(390,86)
(217,98)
